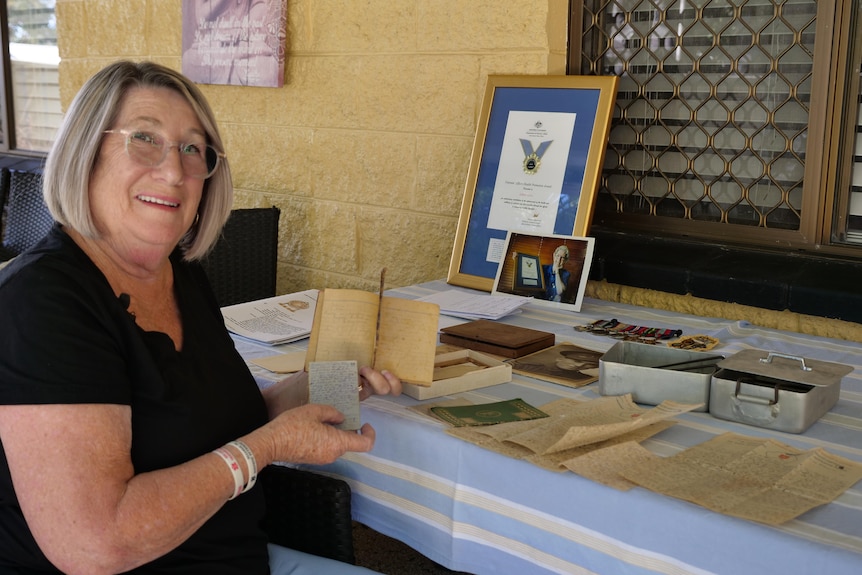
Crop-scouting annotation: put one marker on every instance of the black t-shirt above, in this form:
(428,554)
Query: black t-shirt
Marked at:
(66,338)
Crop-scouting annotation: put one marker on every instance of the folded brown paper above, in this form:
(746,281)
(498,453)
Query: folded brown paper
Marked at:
(496,338)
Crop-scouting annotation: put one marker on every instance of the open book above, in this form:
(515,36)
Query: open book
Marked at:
(395,334)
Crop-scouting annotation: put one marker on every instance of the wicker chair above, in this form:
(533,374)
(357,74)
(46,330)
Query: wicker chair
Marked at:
(26,218)
(242,265)
(5,254)
(306,511)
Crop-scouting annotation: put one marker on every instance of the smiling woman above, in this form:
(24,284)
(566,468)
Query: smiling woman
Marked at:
(142,209)
(116,367)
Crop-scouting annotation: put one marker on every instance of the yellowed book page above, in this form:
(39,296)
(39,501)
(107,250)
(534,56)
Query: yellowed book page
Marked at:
(315,330)
(407,342)
(344,326)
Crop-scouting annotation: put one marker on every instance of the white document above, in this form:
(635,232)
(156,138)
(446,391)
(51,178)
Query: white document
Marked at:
(532,169)
(274,320)
(476,306)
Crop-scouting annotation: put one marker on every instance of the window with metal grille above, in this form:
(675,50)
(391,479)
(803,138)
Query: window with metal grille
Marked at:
(712,119)
(736,120)
(849,230)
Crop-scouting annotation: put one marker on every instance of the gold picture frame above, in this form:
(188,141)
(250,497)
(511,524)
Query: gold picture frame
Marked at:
(535,167)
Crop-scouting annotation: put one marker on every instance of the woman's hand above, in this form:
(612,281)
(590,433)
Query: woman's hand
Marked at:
(307,434)
(372,382)
(300,432)
(292,391)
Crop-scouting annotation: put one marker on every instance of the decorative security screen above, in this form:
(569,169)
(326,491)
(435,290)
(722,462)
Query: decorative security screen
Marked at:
(712,111)
(854,219)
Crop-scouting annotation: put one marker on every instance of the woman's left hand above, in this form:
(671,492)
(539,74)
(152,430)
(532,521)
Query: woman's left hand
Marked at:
(373,382)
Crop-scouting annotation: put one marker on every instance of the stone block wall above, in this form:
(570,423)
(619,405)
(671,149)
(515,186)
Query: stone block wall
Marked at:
(366,147)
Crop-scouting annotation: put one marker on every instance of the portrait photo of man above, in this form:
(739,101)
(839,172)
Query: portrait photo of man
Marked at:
(546,268)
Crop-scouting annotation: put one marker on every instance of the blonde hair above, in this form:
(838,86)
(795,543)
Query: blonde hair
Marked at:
(73,156)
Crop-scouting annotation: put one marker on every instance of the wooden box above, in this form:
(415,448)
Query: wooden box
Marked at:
(497,338)
(459,371)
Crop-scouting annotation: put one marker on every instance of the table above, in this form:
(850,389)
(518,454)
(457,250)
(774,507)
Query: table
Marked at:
(477,511)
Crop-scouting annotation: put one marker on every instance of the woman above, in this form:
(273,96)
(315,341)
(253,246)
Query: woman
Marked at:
(131,429)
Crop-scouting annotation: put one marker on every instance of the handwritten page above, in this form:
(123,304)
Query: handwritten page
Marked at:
(347,325)
(494,437)
(557,461)
(336,383)
(597,420)
(404,342)
(407,343)
(752,478)
(529,439)
(275,320)
(606,465)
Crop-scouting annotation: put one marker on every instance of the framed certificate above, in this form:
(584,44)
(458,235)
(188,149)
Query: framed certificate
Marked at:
(528,276)
(536,161)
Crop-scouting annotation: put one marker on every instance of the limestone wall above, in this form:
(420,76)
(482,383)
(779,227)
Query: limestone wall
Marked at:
(366,147)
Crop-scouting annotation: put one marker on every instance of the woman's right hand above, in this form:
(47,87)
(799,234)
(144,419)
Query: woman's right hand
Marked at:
(307,434)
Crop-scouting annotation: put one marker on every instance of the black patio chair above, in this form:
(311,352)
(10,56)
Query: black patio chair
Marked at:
(242,265)
(26,218)
(306,511)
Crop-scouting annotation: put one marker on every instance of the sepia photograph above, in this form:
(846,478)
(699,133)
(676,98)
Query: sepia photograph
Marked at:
(564,363)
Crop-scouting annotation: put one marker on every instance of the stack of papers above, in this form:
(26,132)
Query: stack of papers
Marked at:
(476,306)
(274,320)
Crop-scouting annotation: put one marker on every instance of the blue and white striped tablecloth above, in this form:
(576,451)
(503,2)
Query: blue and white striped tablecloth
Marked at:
(477,511)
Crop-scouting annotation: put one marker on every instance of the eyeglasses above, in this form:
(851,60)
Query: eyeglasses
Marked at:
(148,149)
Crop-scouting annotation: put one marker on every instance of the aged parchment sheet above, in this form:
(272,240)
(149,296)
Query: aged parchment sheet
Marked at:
(752,478)
(574,428)
(762,480)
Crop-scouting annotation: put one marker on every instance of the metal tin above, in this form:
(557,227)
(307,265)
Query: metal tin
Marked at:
(652,374)
(775,390)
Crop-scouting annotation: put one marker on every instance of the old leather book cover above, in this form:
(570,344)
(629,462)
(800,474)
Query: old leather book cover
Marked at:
(496,338)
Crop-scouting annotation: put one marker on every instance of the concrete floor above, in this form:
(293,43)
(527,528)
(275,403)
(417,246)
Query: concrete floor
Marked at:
(390,556)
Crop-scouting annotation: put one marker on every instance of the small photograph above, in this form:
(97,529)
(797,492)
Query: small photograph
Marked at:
(565,363)
(552,269)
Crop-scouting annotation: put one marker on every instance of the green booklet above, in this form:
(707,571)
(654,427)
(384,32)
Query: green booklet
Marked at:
(488,413)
